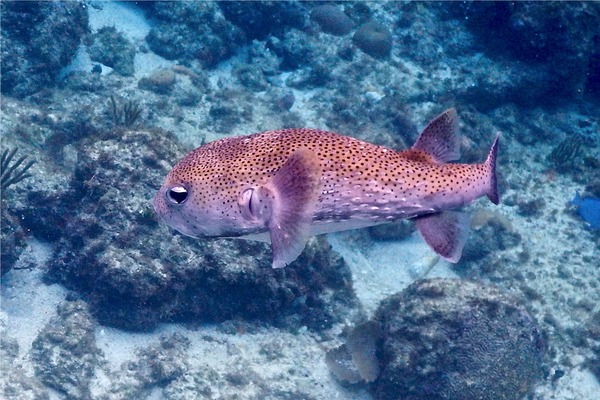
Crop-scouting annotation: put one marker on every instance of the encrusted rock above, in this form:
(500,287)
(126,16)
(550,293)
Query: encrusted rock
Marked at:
(111,48)
(192,30)
(15,383)
(154,366)
(332,20)
(373,39)
(160,81)
(137,272)
(39,38)
(65,354)
(454,339)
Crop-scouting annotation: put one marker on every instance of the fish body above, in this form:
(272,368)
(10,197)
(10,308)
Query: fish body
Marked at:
(589,210)
(285,185)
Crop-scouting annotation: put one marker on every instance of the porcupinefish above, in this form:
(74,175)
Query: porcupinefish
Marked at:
(283,186)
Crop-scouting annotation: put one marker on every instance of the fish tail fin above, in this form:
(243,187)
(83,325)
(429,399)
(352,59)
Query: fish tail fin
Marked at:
(490,164)
(577,199)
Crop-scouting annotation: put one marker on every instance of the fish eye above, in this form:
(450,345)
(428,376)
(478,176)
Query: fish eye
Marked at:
(177,195)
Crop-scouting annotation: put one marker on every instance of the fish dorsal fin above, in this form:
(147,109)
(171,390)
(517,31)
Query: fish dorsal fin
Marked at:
(446,233)
(418,156)
(439,140)
(293,193)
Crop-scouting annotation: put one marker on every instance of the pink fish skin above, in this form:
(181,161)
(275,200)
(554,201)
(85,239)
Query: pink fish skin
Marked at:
(283,186)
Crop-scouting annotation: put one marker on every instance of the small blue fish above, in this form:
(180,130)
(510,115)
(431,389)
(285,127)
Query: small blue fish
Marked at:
(589,210)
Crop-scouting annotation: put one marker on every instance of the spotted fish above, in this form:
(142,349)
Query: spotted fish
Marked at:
(283,186)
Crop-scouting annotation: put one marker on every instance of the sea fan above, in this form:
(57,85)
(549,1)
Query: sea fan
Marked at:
(15,172)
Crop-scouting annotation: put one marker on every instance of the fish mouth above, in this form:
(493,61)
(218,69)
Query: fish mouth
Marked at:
(158,205)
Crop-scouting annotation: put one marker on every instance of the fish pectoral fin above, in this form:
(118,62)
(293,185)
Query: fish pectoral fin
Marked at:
(446,233)
(295,190)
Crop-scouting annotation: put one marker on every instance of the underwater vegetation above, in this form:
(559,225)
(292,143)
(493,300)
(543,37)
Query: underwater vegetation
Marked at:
(124,114)
(15,172)
(12,235)
(567,153)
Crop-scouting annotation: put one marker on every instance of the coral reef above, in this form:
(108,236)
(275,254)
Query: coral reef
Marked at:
(332,20)
(374,39)
(192,31)
(137,273)
(84,225)
(21,385)
(155,366)
(263,19)
(13,235)
(112,49)
(161,81)
(452,339)
(567,154)
(537,34)
(64,354)
(38,39)
(124,113)
(12,240)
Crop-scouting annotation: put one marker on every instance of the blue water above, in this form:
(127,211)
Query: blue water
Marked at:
(101,299)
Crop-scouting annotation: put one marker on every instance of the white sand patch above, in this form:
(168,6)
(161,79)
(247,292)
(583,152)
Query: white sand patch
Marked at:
(578,384)
(146,63)
(287,361)
(126,17)
(81,62)
(387,267)
(28,303)
(130,21)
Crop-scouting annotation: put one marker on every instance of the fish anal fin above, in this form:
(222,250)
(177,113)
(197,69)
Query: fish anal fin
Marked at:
(440,138)
(446,233)
(293,191)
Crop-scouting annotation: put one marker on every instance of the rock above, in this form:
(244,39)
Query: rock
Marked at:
(191,30)
(296,51)
(356,360)
(332,20)
(339,361)
(15,383)
(137,272)
(112,48)
(38,40)
(154,366)
(260,20)
(454,339)
(373,39)
(12,240)
(160,81)
(593,333)
(64,354)
(251,77)
(492,232)
(535,33)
